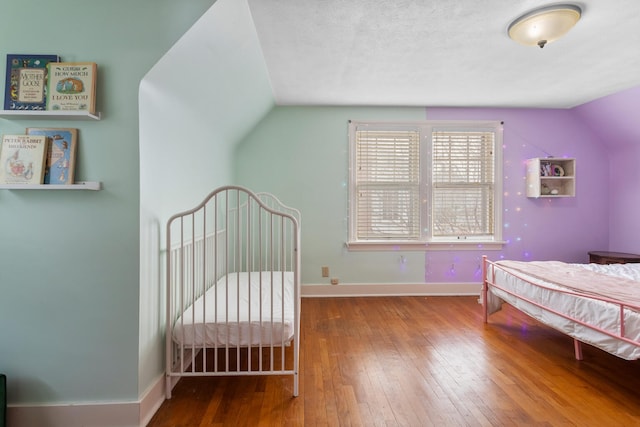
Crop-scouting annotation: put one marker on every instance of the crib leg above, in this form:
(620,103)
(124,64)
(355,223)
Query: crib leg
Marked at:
(167,385)
(577,346)
(295,384)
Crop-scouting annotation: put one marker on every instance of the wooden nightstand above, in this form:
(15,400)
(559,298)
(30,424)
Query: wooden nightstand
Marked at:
(605,257)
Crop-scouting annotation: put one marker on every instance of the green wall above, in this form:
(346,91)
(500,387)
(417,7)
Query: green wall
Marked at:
(69,260)
(301,155)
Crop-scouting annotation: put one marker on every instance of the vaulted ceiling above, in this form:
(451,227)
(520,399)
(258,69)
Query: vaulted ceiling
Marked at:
(442,53)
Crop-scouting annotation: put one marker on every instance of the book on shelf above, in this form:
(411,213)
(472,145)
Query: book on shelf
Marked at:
(72,86)
(22,159)
(26,81)
(60,160)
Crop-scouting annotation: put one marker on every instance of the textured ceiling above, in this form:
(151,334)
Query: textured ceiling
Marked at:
(442,53)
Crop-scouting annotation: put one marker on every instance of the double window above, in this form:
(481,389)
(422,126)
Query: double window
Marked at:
(425,184)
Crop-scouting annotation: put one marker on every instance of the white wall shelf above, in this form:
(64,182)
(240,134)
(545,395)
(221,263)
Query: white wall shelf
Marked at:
(80,185)
(551,177)
(55,115)
(49,114)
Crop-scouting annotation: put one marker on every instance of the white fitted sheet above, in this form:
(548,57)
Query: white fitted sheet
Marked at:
(242,309)
(597,313)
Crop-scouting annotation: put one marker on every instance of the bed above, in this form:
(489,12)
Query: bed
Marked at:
(592,303)
(233,288)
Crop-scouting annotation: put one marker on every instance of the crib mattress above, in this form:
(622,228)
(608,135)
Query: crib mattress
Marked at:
(598,313)
(242,309)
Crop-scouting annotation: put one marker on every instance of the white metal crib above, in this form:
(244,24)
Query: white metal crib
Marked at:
(233,288)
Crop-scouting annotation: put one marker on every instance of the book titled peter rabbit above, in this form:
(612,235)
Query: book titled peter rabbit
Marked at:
(22,159)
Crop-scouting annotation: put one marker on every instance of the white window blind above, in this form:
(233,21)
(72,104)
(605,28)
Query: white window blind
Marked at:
(463,183)
(418,183)
(387,184)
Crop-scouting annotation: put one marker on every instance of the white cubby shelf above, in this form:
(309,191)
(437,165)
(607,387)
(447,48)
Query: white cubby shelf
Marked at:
(551,177)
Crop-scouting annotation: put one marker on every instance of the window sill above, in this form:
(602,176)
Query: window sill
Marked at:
(425,246)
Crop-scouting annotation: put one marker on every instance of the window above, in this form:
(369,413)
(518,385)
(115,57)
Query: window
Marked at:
(425,184)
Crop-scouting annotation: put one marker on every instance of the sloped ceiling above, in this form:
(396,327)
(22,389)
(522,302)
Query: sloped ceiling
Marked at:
(442,53)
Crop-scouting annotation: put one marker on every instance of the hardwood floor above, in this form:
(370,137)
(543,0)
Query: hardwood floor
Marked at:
(420,361)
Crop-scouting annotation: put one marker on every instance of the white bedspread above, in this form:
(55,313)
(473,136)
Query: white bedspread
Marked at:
(597,313)
(628,271)
(242,309)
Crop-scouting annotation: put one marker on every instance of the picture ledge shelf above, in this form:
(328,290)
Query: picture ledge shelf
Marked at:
(49,114)
(80,185)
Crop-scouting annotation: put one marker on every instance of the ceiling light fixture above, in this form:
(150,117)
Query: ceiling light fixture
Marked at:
(544,25)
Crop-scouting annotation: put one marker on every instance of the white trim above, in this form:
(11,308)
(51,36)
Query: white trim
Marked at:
(152,400)
(466,245)
(123,414)
(383,289)
(98,414)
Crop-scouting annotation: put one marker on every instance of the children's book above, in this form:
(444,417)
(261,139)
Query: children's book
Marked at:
(26,81)
(61,154)
(22,159)
(72,86)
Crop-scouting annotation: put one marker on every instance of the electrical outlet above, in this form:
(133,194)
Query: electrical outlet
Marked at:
(334,281)
(325,271)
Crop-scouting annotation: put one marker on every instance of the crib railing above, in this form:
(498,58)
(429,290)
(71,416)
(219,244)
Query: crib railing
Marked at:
(192,273)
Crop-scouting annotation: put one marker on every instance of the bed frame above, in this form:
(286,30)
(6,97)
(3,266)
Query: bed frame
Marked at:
(217,324)
(622,318)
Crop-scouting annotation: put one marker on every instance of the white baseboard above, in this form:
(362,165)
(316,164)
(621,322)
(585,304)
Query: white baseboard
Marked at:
(404,289)
(75,415)
(152,400)
(103,414)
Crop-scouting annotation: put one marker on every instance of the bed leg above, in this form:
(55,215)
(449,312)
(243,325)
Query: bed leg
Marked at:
(484,289)
(485,315)
(577,346)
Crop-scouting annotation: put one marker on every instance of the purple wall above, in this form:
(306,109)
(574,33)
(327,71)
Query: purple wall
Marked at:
(614,119)
(539,229)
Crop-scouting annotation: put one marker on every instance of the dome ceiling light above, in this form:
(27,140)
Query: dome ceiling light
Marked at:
(544,25)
